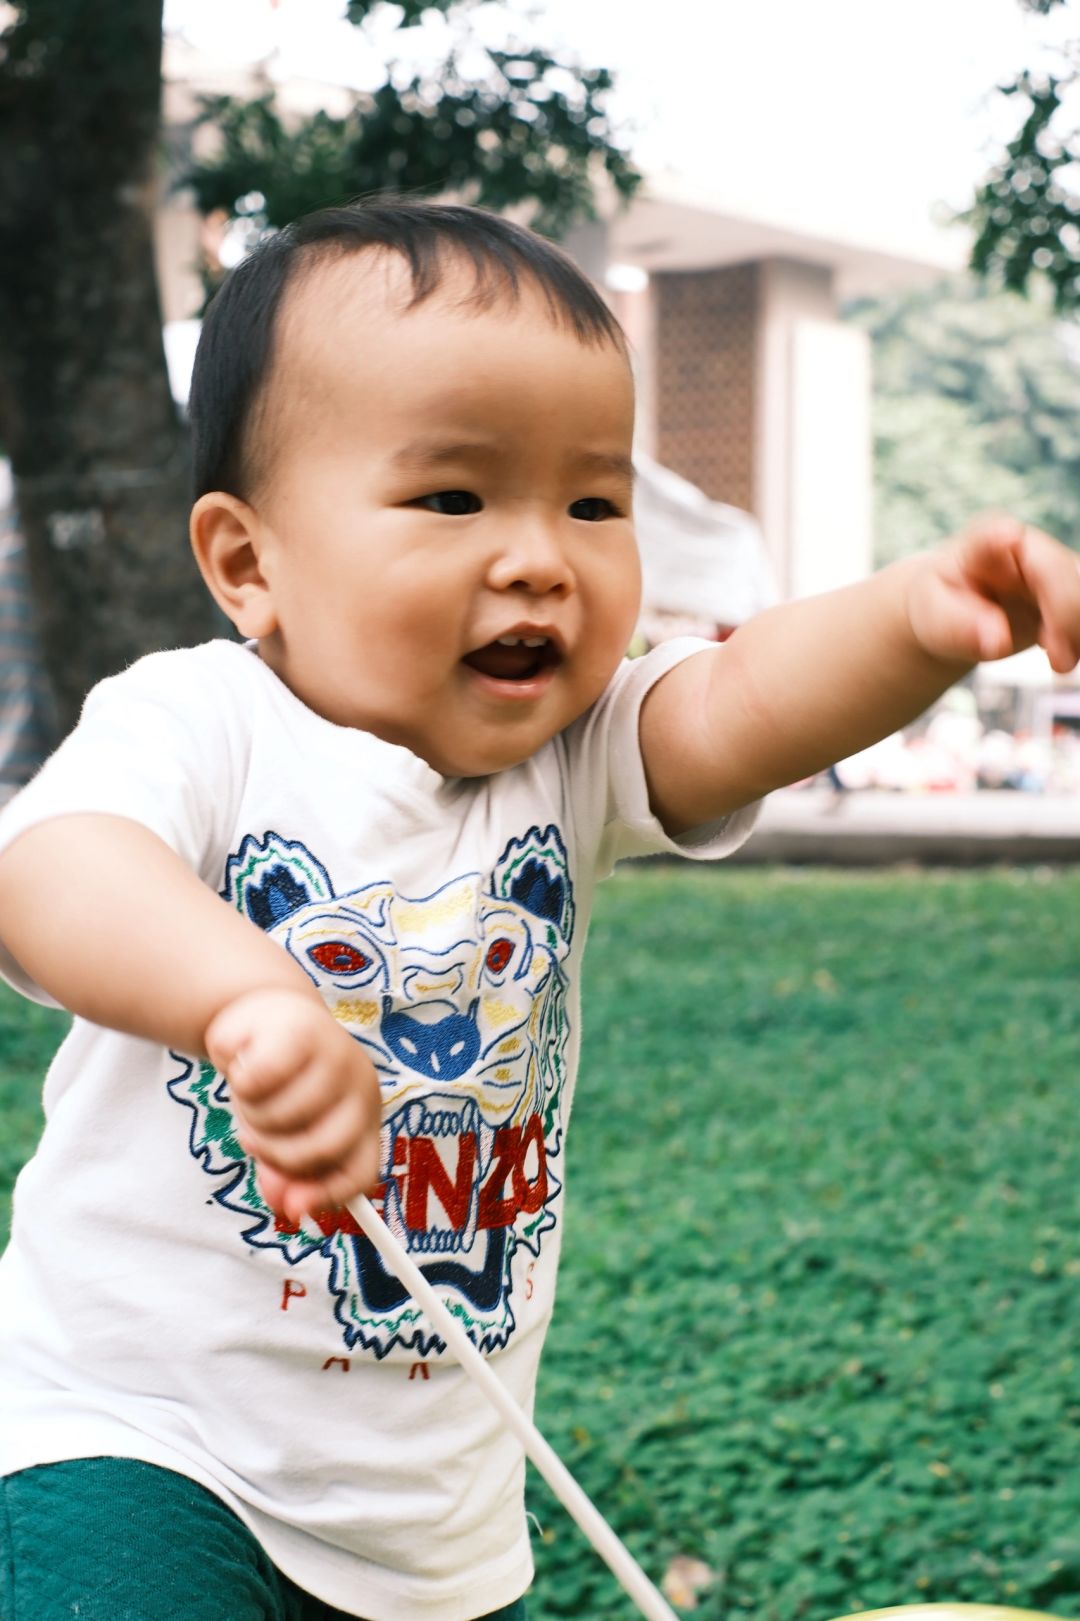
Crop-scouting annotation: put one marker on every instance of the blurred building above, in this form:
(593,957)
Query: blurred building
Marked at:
(751,385)
(1022,694)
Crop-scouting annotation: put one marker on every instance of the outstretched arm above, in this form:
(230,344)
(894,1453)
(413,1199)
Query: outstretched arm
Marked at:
(109,920)
(814,681)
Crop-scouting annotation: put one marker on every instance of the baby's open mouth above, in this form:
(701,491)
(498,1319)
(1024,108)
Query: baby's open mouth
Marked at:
(514,658)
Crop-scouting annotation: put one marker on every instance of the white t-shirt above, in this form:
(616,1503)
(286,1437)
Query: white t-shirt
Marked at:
(149,1307)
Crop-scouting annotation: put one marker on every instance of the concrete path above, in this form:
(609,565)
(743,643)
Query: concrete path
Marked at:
(867,827)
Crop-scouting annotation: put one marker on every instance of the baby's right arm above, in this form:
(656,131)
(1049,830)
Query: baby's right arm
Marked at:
(112,924)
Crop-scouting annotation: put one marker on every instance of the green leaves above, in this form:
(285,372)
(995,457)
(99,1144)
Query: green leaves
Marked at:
(996,378)
(817,1317)
(1026,213)
(29,1035)
(412,11)
(525,128)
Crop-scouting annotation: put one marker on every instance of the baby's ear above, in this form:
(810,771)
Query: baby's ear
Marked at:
(227,539)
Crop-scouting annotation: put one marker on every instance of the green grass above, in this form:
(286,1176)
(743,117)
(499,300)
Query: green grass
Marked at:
(29,1035)
(818,1322)
(819,1311)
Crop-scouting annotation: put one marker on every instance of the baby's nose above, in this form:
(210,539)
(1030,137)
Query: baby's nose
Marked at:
(533,559)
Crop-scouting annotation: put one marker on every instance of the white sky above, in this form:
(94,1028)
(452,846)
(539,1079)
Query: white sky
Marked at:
(856,117)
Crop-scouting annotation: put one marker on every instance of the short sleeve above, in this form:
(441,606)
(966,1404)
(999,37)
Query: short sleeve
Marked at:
(156,745)
(606,766)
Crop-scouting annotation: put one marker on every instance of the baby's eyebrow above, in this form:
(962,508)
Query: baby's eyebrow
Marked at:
(602,461)
(433,453)
(422,454)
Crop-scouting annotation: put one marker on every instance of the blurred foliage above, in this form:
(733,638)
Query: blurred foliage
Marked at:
(29,1036)
(975,406)
(498,127)
(1026,213)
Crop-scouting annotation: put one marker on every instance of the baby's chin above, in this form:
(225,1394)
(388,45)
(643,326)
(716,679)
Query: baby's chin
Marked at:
(482,762)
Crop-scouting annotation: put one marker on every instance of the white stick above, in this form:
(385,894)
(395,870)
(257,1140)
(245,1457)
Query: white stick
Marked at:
(619,1560)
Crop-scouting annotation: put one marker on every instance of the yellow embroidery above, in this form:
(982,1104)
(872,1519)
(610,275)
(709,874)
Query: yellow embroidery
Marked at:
(415,916)
(500,1012)
(355,1012)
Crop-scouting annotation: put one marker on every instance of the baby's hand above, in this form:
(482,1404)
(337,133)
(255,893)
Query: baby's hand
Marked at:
(999,588)
(305,1097)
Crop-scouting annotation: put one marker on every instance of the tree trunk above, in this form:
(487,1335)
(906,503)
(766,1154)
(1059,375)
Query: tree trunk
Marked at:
(99,453)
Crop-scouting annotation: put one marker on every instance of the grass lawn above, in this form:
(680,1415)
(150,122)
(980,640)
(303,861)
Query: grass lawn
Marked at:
(819,1312)
(29,1035)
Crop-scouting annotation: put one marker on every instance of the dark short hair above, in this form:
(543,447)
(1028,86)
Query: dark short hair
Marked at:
(235,350)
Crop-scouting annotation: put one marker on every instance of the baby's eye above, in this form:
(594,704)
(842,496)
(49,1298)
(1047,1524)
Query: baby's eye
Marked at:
(593,509)
(450,503)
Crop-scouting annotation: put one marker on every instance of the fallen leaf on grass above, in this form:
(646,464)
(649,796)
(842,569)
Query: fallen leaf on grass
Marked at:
(683,1580)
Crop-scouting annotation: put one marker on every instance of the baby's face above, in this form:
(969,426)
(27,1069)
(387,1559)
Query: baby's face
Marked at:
(445,519)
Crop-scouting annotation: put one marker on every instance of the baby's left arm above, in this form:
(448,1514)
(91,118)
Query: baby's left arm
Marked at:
(816,680)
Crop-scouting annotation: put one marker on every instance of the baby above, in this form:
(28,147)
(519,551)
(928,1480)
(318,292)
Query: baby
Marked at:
(318,900)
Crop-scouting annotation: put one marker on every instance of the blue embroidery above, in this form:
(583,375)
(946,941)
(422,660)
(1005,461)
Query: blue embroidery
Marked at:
(443,1049)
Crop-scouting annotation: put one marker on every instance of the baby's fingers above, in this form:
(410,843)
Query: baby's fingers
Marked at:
(954,622)
(296,1197)
(1034,577)
(357,1174)
(320,1149)
(273,1186)
(274,1106)
(262,1041)
(1053,577)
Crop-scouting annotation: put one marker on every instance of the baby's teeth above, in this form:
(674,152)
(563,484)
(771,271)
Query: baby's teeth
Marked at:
(534,641)
(525,641)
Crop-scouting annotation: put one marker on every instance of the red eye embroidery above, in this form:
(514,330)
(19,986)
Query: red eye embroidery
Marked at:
(499,953)
(339,958)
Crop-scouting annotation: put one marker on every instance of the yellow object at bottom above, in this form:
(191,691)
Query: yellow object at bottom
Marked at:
(950,1612)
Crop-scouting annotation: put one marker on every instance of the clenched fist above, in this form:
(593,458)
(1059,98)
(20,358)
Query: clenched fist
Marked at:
(305,1098)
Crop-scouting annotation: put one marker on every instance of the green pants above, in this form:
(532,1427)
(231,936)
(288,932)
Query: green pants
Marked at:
(112,1539)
